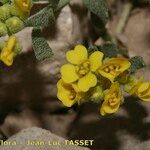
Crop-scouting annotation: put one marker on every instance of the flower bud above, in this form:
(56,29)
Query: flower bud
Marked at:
(97,94)
(14,25)
(15,11)
(4,12)
(24,5)
(3,29)
(18,48)
(124,78)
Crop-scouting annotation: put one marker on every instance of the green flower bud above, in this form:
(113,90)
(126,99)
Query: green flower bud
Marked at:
(18,48)
(4,12)
(15,11)
(14,25)
(3,29)
(97,94)
(4,1)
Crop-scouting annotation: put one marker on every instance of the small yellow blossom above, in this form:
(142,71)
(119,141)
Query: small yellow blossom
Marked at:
(81,69)
(24,5)
(7,53)
(68,94)
(143,91)
(114,67)
(139,88)
(112,99)
(132,86)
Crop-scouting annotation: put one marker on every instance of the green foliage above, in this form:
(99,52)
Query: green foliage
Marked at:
(137,62)
(53,3)
(40,45)
(42,19)
(109,49)
(99,11)
(62,3)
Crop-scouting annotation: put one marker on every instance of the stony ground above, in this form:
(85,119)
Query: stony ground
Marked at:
(28,88)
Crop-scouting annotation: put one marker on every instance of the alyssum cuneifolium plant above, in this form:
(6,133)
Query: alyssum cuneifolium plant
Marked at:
(12,17)
(98,78)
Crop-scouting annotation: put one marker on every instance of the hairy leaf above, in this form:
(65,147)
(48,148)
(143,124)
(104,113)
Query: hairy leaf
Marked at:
(109,50)
(137,62)
(62,3)
(99,10)
(40,45)
(42,19)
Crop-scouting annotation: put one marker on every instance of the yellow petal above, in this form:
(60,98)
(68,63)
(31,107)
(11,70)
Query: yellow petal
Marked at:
(63,93)
(8,60)
(123,64)
(63,97)
(24,5)
(106,109)
(96,60)
(144,87)
(145,98)
(143,91)
(68,73)
(11,43)
(86,82)
(134,86)
(78,55)
(109,94)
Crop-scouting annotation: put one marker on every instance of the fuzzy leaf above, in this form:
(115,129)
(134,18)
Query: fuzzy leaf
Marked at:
(40,45)
(42,19)
(137,62)
(62,3)
(99,10)
(54,3)
(110,50)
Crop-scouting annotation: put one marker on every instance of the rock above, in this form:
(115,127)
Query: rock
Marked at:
(38,135)
(27,118)
(15,122)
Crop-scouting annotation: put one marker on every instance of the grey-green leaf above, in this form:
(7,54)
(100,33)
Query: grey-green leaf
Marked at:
(137,62)
(40,45)
(62,3)
(110,50)
(99,8)
(42,19)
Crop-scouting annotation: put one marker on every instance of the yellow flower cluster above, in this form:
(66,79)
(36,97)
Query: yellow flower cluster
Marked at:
(12,16)
(98,78)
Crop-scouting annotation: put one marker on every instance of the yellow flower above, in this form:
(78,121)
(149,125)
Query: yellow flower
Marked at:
(143,91)
(133,85)
(112,99)
(24,5)
(114,67)
(67,93)
(7,53)
(81,69)
(139,88)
